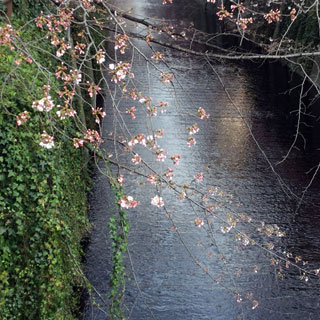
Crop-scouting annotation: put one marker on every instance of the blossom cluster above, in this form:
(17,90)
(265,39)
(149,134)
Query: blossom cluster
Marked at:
(163,106)
(93,137)
(166,77)
(136,159)
(46,141)
(132,94)
(175,158)
(198,222)
(293,14)
(272,15)
(152,179)
(98,112)
(161,154)
(158,56)
(100,56)
(65,111)
(56,23)
(169,173)
(243,22)
(44,104)
(6,36)
(138,139)
(152,111)
(128,202)
(93,89)
(78,49)
(67,95)
(202,114)
(157,201)
(145,100)
(22,117)
(131,112)
(193,129)
(78,142)
(120,71)
(62,44)
(159,133)
(199,177)
(120,179)
(121,42)
(190,141)
(224,13)
(238,7)
(74,76)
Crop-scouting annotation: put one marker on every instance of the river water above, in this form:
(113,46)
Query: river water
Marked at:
(236,168)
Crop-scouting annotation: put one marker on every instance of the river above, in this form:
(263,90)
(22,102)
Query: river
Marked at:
(235,148)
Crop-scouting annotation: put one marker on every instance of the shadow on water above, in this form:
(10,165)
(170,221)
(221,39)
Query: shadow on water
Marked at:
(172,286)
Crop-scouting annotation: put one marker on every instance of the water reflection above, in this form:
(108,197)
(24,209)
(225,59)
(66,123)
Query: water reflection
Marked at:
(172,285)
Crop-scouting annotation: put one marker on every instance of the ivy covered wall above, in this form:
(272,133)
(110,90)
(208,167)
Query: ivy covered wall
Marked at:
(42,199)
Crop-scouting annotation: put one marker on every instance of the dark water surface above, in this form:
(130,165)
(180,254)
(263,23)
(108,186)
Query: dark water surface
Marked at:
(172,285)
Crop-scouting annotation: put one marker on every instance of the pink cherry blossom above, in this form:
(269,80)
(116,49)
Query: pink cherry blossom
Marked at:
(93,89)
(198,222)
(175,158)
(293,14)
(131,112)
(223,13)
(202,114)
(157,56)
(22,117)
(157,201)
(272,16)
(199,177)
(44,104)
(190,141)
(243,22)
(169,173)
(193,129)
(238,7)
(93,136)
(65,111)
(161,154)
(166,77)
(127,202)
(133,94)
(121,42)
(136,159)
(46,141)
(120,71)
(120,179)
(152,111)
(78,142)
(159,133)
(152,178)
(98,112)
(163,106)
(100,56)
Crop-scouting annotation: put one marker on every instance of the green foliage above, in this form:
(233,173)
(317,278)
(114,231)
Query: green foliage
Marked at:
(42,200)
(119,232)
(29,9)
